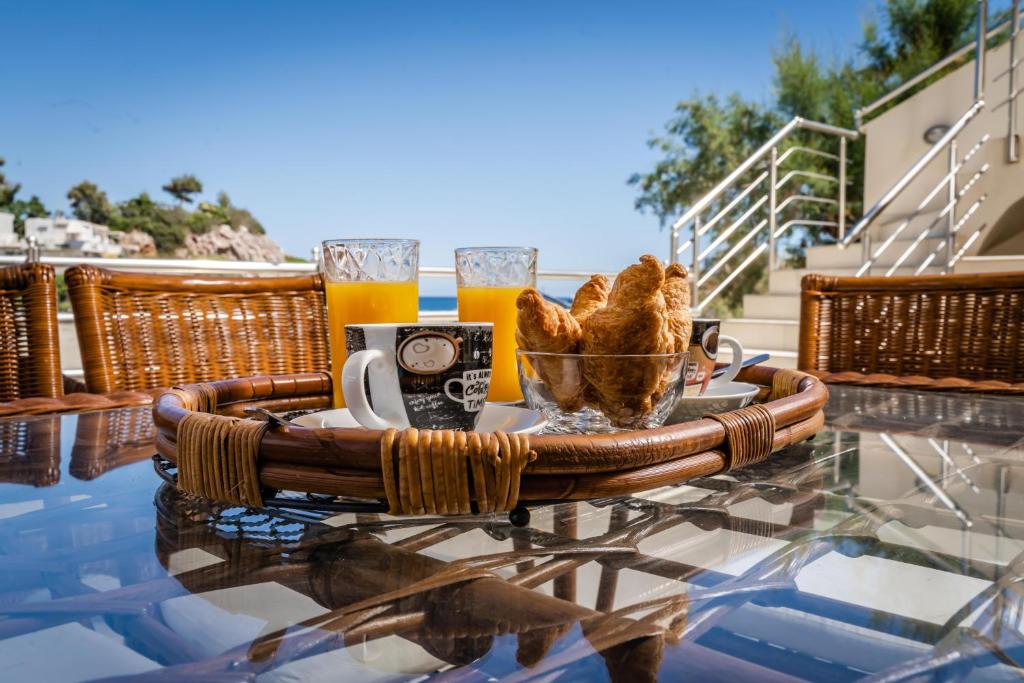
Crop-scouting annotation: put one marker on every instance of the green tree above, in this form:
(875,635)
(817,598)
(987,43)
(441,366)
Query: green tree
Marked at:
(167,225)
(21,208)
(707,137)
(223,212)
(26,208)
(90,203)
(183,187)
(8,190)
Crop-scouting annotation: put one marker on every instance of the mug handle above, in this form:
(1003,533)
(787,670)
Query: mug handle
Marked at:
(734,367)
(353,388)
(448,391)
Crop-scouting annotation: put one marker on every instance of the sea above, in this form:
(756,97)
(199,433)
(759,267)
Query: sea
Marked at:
(450,303)
(438,303)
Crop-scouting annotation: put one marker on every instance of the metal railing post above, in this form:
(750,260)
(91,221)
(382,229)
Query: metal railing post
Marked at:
(695,269)
(842,189)
(951,216)
(773,178)
(979,50)
(32,249)
(1012,152)
(865,251)
(673,245)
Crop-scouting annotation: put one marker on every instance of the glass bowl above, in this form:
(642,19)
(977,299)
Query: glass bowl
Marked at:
(585,393)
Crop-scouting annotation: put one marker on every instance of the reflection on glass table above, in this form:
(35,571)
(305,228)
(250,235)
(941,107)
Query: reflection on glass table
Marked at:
(889,547)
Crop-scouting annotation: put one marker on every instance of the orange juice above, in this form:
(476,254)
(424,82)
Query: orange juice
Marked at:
(365,302)
(496,305)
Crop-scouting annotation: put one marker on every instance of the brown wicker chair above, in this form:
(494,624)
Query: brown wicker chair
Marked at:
(145,331)
(968,327)
(29,348)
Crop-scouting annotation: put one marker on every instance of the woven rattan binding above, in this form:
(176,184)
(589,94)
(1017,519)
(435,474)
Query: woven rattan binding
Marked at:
(29,350)
(140,331)
(434,471)
(958,332)
(217,458)
(749,433)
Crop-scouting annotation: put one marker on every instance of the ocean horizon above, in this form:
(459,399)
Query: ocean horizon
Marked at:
(438,303)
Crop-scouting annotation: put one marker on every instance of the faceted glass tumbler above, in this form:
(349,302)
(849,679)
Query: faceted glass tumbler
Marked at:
(489,281)
(496,267)
(370,260)
(367,281)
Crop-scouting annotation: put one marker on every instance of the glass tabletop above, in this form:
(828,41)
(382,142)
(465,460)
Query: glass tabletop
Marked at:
(889,547)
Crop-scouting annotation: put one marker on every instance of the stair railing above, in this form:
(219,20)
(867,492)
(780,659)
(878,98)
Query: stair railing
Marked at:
(947,143)
(753,208)
(947,226)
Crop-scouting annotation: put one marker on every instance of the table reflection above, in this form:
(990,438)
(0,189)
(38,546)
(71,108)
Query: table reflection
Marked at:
(891,546)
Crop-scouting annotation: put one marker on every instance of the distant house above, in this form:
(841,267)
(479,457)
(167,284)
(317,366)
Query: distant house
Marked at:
(8,238)
(63,234)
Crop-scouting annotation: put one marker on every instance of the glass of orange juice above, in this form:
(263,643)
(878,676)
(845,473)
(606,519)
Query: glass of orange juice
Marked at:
(489,280)
(367,281)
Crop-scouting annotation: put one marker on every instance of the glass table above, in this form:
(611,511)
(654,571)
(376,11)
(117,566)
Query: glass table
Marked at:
(891,547)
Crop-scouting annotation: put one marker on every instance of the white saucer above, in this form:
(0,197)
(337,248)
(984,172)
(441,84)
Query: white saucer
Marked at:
(508,419)
(717,399)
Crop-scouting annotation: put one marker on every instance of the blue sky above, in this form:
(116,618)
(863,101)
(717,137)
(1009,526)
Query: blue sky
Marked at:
(459,123)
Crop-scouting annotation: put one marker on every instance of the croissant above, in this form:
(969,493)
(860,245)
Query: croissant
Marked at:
(677,299)
(593,295)
(546,327)
(635,321)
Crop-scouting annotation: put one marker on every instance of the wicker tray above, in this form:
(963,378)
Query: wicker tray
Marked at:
(210,450)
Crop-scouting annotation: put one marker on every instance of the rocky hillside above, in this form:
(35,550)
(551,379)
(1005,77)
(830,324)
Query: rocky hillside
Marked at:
(232,244)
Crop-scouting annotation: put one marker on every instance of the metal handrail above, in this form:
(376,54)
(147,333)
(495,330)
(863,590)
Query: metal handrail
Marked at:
(807,150)
(871,257)
(751,197)
(766,148)
(1012,152)
(872,214)
(971,210)
(938,66)
(250,267)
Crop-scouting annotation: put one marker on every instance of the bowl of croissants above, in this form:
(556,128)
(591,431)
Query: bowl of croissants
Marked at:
(614,361)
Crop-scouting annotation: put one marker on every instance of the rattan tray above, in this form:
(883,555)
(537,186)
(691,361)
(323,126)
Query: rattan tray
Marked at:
(210,449)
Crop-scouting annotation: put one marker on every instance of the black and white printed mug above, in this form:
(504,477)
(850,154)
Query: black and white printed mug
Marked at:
(425,375)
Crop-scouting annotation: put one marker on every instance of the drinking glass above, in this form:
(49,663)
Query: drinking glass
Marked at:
(489,280)
(367,281)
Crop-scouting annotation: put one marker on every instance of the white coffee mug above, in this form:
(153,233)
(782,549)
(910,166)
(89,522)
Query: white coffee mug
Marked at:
(423,375)
(704,343)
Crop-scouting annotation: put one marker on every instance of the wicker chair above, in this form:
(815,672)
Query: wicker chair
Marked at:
(29,348)
(969,327)
(145,331)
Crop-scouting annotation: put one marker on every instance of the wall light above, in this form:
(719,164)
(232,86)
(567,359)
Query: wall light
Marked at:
(935,133)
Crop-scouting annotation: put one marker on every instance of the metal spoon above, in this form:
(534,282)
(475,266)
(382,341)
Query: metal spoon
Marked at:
(272,418)
(753,360)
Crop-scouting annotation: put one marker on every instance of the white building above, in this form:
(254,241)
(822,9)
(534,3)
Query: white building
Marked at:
(8,238)
(64,234)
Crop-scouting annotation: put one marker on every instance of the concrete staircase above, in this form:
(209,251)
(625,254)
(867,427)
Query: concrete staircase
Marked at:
(771,322)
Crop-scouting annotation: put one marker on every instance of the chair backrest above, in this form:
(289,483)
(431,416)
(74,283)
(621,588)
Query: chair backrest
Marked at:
(963,326)
(142,331)
(29,347)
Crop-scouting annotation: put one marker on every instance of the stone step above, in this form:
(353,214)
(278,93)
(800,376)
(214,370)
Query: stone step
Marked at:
(764,333)
(832,256)
(990,264)
(787,281)
(784,306)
